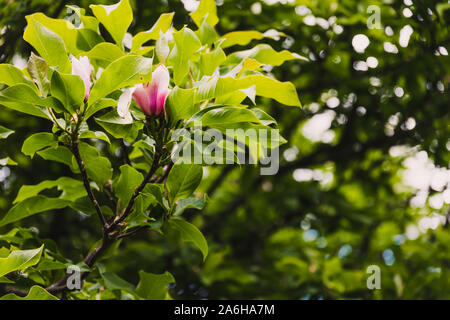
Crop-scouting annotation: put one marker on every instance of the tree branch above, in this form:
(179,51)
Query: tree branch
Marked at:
(87,186)
(137,191)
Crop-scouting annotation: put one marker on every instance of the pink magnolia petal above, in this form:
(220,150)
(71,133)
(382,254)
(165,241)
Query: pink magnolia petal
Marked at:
(161,77)
(82,68)
(123,105)
(161,101)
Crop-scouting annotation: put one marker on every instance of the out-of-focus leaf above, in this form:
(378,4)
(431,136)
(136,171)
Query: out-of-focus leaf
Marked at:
(206,11)
(5,132)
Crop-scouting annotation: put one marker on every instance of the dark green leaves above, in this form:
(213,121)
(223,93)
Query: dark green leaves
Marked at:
(190,203)
(190,233)
(154,286)
(32,206)
(183,180)
(71,189)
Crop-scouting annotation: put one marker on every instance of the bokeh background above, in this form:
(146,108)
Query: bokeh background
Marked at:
(364,179)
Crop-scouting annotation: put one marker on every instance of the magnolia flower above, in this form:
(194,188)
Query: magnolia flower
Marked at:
(82,68)
(150,97)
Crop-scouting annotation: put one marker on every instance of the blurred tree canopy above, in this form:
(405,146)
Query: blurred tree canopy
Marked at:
(364,178)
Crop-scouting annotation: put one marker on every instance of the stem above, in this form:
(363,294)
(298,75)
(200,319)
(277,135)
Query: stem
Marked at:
(137,191)
(87,186)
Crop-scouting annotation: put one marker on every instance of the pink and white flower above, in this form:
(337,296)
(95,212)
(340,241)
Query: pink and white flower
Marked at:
(150,97)
(82,68)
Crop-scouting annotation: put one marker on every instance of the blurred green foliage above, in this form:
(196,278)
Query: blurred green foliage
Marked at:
(301,234)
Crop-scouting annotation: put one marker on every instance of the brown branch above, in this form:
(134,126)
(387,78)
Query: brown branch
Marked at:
(87,186)
(165,174)
(137,191)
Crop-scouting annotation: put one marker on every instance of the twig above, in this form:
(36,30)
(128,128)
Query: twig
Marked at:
(137,191)
(87,186)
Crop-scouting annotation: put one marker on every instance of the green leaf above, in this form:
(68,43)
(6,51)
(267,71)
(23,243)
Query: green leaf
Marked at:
(38,68)
(26,108)
(87,39)
(36,293)
(182,181)
(37,142)
(189,203)
(48,44)
(71,189)
(22,93)
(264,54)
(114,282)
(181,104)
(98,168)
(125,71)
(32,206)
(206,11)
(207,34)
(283,92)
(210,61)
(227,115)
(59,154)
(20,260)
(124,187)
(99,105)
(100,135)
(263,117)
(5,280)
(68,89)
(7,162)
(63,28)
(115,18)
(240,37)
(11,75)
(186,44)
(189,233)
(118,127)
(162,25)
(5,132)
(104,53)
(154,286)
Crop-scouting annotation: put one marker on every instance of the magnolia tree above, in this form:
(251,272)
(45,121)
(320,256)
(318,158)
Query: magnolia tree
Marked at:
(176,100)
